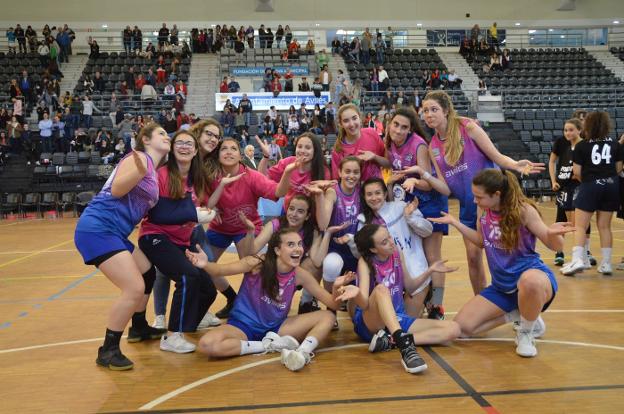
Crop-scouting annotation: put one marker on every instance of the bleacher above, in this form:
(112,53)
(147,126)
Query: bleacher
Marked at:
(264,58)
(618,52)
(11,66)
(552,78)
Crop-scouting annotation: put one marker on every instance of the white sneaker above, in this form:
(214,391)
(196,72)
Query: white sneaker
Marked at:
(526,344)
(539,329)
(209,320)
(159,322)
(575,266)
(605,268)
(294,360)
(620,266)
(272,342)
(586,263)
(176,343)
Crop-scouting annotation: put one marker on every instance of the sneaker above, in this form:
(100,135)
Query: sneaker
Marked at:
(525,344)
(294,360)
(605,268)
(621,265)
(381,342)
(410,358)
(209,320)
(592,259)
(224,313)
(113,359)
(539,328)
(272,342)
(307,307)
(176,343)
(343,306)
(586,263)
(575,266)
(435,312)
(143,334)
(559,259)
(159,322)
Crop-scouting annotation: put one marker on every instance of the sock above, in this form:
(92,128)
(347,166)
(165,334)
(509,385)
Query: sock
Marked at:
(437,294)
(559,254)
(251,347)
(230,294)
(512,316)
(111,339)
(587,244)
(399,337)
(138,320)
(526,326)
(306,297)
(606,254)
(577,253)
(308,345)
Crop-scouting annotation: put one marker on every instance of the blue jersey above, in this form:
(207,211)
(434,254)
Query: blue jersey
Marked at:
(506,266)
(119,216)
(255,309)
(346,209)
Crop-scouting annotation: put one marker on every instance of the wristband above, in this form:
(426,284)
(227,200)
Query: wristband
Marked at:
(426,175)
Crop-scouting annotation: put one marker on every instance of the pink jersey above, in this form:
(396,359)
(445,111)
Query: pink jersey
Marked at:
(298,179)
(178,234)
(242,195)
(369,141)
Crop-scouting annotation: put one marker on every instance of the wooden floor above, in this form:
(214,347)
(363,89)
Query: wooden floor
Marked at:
(53,311)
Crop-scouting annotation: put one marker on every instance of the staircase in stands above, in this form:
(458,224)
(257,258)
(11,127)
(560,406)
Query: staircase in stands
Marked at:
(203,83)
(335,62)
(611,62)
(470,81)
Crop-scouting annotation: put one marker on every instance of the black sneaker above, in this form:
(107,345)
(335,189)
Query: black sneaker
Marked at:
(381,342)
(559,259)
(435,312)
(307,307)
(343,306)
(225,312)
(113,359)
(592,259)
(143,334)
(411,360)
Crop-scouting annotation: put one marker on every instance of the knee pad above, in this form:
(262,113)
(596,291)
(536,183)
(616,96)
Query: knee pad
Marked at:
(149,277)
(332,265)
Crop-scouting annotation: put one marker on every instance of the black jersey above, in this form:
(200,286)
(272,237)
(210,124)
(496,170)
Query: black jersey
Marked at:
(563,150)
(597,158)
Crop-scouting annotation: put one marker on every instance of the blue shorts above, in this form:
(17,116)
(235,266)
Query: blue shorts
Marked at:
(432,209)
(254,333)
(602,195)
(468,214)
(93,246)
(509,301)
(366,335)
(348,260)
(223,241)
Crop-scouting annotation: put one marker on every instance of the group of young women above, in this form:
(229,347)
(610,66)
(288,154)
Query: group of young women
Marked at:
(375,243)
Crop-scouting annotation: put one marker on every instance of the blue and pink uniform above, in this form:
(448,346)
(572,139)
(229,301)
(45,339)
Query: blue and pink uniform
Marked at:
(275,223)
(459,176)
(390,274)
(254,312)
(346,209)
(107,222)
(430,202)
(505,266)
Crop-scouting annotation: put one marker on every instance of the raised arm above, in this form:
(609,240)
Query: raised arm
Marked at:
(319,248)
(284,184)
(325,201)
(129,174)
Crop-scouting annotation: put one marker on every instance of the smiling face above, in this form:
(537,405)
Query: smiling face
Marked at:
(571,132)
(399,129)
(184,148)
(298,212)
(384,245)
(290,250)
(209,138)
(304,149)
(229,154)
(350,121)
(374,196)
(484,200)
(435,115)
(350,175)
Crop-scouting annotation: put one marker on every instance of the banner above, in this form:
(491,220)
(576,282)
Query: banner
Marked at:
(259,71)
(262,101)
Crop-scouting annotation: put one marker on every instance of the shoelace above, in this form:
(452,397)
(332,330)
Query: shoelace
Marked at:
(411,354)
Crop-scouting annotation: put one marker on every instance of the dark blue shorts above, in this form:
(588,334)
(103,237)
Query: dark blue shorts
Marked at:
(366,335)
(223,241)
(254,333)
(601,195)
(348,260)
(93,246)
(566,196)
(432,210)
(509,301)
(468,214)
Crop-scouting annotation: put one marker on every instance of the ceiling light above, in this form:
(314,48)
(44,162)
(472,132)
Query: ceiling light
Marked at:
(517,24)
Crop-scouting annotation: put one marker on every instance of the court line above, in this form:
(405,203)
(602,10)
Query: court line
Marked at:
(20,222)
(459,380)
(18,278)
(33,251)
(546,341)
(19,259)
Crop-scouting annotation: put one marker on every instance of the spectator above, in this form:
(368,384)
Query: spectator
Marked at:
(139,82)
(380,47)
(249,34)
(390,38)
(279,35)
(21,38)
(182,90)
(170,125)
(246,105)
(374,79)
(227,121)
(44,53)
(163,36)
(262,37)
(474,33)
(304,86)
(269,38)
(11,40)
(248,158)
(495,62)
(288,81)
(280,138)
(173,35)
(267,127)
(45,131)
(506,59)
(317,87)
(239,121)
(384,80)
(94,49)
(288,34)
(365,46)
(482,87)
(233,85)
(276,86)
(465,49)
(150,78)
(435,79)
(98,82)
(325,78)
(493,36)
(169,91)
(137,39)
(293,125)
(88,85)
(87,111)
(335,46)
(322,59)
(453,79)
(178,104)
(293,50)
(229,105)
(127,39)
(150,51)
(355,49)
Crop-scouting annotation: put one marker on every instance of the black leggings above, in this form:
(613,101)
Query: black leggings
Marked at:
(194,291)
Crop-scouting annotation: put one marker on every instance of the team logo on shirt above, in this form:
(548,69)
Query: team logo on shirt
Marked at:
(435,152)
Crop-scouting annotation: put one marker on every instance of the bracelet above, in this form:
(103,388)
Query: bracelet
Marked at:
(426,175)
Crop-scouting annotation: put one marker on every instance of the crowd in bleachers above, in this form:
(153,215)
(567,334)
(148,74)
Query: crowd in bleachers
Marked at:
(215,39)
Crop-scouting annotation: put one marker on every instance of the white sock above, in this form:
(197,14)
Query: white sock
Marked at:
(578,252)
(251,347)
(526,326)
(606,254)
(308,345)
(512,316)
(587,244)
